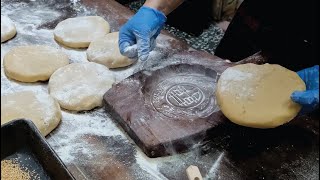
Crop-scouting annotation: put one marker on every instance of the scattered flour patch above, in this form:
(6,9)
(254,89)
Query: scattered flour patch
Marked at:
(149,165)
(74,126)
(75,1)
(233,75)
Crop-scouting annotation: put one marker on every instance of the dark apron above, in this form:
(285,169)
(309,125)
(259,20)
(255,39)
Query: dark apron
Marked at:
(285,31)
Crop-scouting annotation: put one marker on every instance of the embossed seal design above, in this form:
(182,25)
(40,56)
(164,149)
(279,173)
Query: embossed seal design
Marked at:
(184,95)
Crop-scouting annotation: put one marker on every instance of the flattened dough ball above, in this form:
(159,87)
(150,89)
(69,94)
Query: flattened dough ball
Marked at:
(79,32)
(106,51)
(258,95)
(40,108)
(33,63)
(8,29)
(80,86)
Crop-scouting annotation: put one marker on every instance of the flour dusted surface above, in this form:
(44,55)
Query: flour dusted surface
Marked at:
(82,140)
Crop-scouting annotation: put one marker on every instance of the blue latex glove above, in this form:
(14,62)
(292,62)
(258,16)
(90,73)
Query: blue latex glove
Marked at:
(137,37)
(309,99)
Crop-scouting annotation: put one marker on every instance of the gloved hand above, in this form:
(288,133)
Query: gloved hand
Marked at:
(309,99)
(142,29)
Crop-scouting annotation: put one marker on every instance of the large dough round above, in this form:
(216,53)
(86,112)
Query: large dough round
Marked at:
(8,29)
(258,95)
(106,51)
(79,32)
(40,108)
(80,86)
(33,63)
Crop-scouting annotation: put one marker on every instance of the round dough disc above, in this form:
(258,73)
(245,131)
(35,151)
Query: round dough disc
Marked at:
(258,95)
(33,63)
(106,51)
(40,108)
(79,32)
(8,29)
(80,86)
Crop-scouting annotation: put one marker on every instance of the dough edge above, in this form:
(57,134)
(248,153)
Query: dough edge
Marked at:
(272,123)
(113,61)
(12,73)
(11,34)
(54,121)
(78,44)
(86,104)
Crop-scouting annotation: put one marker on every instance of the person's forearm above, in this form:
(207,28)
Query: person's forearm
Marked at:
(165,6)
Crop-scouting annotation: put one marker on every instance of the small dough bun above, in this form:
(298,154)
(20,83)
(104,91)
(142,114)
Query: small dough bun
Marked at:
(258,96)
(106,51)
(8,29)
(40,108)
(33,63)
(79,32)
(80,86)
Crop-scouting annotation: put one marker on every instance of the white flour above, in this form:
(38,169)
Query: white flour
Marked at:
(74,126)
(79,86)
(74,1)
(48,106)
(149,165)
(235,75)
(7,26)
(71,139)
(230,75)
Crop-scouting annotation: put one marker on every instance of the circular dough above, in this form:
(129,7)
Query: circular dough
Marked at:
(79,32)
(33,63)
(258,95)
(8,29)
(40,108)
(106,51)
(80,86)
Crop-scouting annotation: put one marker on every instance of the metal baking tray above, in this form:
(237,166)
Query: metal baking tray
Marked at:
(22,141)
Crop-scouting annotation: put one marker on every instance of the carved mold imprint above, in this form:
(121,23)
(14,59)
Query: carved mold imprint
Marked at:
(187,96)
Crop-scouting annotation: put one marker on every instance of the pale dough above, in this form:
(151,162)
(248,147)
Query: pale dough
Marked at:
(106,51)
(258,95)
(33,63)
(8,29)
(79,32)
(80,86)
(40,108)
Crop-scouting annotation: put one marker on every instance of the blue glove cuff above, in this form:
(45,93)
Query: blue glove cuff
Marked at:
(161,17)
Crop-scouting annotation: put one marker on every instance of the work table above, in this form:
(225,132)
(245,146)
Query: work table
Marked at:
(93,146)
